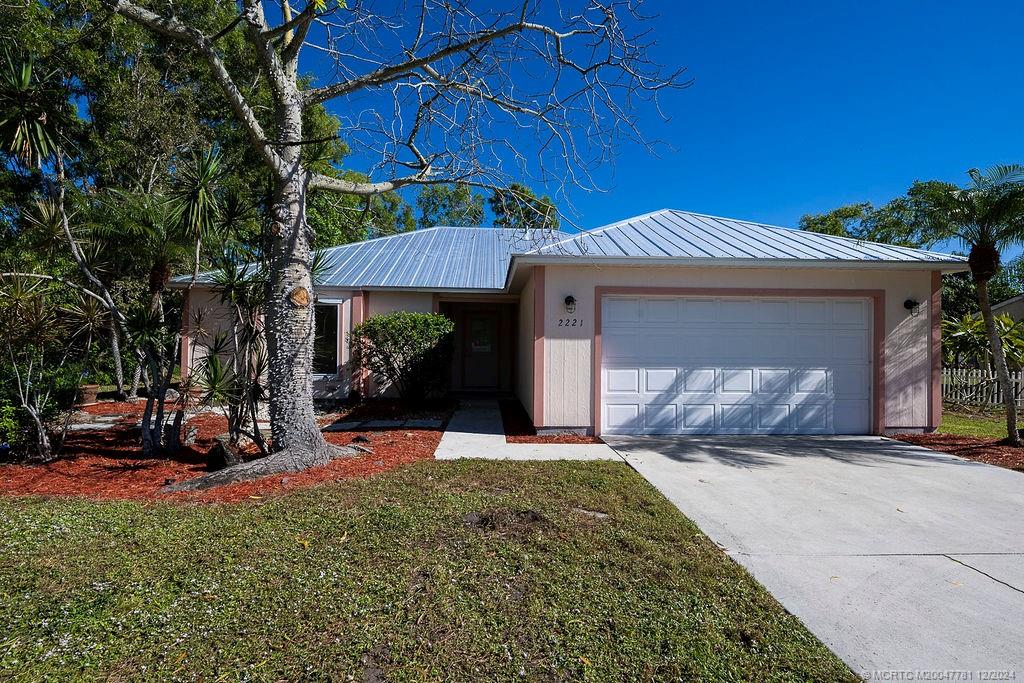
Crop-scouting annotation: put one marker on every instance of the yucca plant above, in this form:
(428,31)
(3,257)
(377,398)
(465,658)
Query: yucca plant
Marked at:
(30,100)
(231,373)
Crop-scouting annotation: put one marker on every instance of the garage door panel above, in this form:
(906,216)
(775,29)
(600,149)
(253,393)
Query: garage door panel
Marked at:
(660,418)
(773,312)
(661,310)
(773,417)
(853,312)
(698,310)
(811,381)
(773,380)
(736,365)
(850,346)
(848,414)
(851,381)
(738,311)
(622,417)
(659,380)
(810,417)
(623,380)
(699,380)
(813,312)
(615,345)
(737,416)
(620,310)
(735,380)
(813,346)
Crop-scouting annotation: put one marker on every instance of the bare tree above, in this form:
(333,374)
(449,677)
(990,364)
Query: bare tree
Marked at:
(435,91)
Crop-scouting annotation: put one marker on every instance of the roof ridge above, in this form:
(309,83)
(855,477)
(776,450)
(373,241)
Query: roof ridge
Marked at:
(770,226)
(599,229)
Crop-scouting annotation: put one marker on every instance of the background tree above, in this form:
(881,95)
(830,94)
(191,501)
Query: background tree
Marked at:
(987,216)
(518,208)
(439,80)
(450,205)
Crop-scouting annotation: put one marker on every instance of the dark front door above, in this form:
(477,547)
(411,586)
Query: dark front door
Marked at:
(480,354)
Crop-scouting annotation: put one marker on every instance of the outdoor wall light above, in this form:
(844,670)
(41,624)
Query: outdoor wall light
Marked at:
(570,304)
(912,305)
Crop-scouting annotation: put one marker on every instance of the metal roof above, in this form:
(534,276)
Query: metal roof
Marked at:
(434,258)
(446,258)
(670,233)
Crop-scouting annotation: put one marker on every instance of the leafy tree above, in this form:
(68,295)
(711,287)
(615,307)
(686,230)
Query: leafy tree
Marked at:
(449,79)
(408,351)
(987,216)
(518,208)
(343,219)
(960,295)
(451,205)
(900,221)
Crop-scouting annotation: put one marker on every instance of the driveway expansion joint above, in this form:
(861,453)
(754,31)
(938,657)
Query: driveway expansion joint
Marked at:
(986,574)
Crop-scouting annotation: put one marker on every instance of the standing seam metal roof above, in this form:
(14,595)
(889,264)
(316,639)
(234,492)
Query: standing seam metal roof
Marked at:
(453,258)
(681,234)
(433,258)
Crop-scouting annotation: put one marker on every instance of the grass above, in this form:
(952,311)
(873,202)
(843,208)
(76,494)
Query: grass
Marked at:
(982,425)
(392,578)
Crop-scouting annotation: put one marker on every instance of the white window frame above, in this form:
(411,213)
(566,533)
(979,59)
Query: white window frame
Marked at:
(339,303)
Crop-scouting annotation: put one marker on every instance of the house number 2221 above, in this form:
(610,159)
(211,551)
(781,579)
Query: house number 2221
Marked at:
(570,322)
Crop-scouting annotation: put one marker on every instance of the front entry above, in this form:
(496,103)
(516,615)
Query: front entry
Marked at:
(483,346)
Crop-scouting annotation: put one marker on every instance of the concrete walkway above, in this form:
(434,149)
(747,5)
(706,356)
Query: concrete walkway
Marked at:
(476,431)
(897,557)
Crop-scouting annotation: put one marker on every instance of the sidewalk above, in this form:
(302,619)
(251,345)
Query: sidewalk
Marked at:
(476,431)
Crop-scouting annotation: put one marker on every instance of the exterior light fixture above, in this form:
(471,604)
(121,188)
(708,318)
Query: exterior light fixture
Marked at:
(570,304)
(912,305)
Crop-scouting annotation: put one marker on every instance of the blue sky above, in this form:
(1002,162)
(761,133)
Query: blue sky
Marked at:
(803,106)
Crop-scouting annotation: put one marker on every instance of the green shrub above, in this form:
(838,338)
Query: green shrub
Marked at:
(410,351)
(10,429)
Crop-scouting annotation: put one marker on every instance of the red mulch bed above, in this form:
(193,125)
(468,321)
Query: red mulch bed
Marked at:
(107,464)
(990,451)
(519,428)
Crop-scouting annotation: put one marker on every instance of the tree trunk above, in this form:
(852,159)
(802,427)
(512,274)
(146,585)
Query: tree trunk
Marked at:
(296,438)
(999,360)
(115,352)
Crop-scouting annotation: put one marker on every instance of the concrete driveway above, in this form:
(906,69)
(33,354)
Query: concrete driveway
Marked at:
(897,557)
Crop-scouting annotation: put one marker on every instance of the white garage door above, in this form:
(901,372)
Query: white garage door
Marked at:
(689,365)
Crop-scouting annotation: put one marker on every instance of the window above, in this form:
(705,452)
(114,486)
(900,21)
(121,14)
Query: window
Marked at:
(325,340)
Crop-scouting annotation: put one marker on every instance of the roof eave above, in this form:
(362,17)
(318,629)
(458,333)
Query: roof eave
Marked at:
(705,262)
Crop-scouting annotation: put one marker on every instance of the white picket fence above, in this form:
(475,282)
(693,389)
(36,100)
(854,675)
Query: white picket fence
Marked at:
(977,387)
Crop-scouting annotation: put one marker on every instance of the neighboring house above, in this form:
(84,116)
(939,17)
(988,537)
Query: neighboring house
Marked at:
(1012,307)
(671,322)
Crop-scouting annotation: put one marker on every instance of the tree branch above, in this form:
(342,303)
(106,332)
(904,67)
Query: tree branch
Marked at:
(173,28)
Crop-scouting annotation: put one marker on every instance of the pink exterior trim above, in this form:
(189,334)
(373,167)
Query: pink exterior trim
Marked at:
(538,347)
(877,297)
(186,341)
(935,386)
(360,307)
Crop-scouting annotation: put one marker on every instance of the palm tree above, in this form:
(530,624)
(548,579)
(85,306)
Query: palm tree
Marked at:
(987,216)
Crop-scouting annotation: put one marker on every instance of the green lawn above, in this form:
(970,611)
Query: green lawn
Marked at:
(984,425)
(392,578)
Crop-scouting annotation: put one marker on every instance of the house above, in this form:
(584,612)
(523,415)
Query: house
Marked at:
(670,322)
(1012,307)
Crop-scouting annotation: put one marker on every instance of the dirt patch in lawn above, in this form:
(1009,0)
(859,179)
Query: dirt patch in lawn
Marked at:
(519,428)
(107,464)
(990,451)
